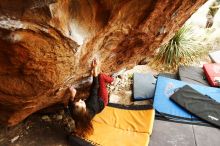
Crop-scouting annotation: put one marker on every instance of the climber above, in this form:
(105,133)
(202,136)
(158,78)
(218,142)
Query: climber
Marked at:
(83,111)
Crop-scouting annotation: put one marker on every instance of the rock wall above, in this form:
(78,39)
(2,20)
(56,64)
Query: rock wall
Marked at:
(48,45)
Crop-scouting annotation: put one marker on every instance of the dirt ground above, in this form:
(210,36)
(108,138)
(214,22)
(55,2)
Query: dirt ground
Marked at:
(34,132)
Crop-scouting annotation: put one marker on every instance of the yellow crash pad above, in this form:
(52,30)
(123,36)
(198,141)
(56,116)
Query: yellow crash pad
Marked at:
(122,127)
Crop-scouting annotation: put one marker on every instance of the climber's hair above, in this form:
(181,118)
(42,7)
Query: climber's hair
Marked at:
(83,124)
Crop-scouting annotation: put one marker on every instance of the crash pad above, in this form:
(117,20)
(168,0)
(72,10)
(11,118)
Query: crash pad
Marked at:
(215,56)
(166,87)
(212,72)
(193,75)
(123,125)
(198,104)
(168,75)
(144,86)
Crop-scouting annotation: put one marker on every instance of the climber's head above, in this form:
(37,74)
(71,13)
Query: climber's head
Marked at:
(80,106)
(82,119)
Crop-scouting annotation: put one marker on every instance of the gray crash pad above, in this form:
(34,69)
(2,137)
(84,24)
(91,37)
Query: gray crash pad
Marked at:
(169,75)
(215,56)
(144,86)
(193,75)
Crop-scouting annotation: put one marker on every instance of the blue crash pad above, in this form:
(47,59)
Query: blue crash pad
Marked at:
(166,87)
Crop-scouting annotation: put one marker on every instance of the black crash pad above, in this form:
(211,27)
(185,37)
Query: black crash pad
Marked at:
(198,104)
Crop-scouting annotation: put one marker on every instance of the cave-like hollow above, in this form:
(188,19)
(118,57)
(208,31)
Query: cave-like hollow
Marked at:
(47,45)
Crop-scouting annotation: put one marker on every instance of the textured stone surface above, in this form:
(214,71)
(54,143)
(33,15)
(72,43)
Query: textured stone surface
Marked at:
(46,45)
(172,134)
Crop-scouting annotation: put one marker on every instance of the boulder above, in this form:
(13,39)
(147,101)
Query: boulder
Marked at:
(48,45)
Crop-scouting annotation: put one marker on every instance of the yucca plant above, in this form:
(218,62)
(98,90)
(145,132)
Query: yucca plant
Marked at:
(184,48)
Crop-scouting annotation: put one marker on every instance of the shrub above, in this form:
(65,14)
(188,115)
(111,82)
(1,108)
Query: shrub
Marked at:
(183,49)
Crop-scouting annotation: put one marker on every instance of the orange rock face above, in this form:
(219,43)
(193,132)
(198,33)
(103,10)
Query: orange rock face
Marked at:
(48,45)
